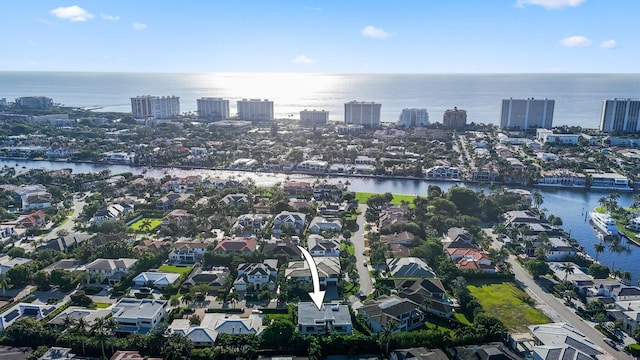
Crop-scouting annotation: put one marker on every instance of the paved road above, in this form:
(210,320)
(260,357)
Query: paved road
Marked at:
(78,205)
(555,308)
(366,285)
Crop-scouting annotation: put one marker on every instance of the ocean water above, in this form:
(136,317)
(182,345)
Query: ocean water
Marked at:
(578,96)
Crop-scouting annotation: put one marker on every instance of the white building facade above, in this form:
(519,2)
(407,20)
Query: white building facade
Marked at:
(362,113)
(314,117)
(527,113)
(159,107)
(255,110)
(620,115)
(413,118)
(213,108)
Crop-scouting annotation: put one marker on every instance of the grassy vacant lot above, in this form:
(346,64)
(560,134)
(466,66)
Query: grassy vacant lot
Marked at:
(362,198)
(175,269)
(154,224)
(508,303)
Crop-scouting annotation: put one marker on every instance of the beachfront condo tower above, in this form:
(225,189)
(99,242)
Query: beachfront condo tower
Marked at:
(454,118)
(362,113)
(213,108)
(620,115)
(524,114)
(255,110)
(413,118)
(312,118)
(155,106)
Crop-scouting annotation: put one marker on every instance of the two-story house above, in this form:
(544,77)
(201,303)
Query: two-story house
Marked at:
(384,310)
(328,270)
(319,246)
(320,224)
(257,274)
(286,221)
(331,318)
(188,251)
(138,316)
(112,270)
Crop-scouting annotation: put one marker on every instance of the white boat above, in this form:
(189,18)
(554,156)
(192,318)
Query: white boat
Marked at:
(604,222)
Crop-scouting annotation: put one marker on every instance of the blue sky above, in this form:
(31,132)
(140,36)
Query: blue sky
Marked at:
(339,36)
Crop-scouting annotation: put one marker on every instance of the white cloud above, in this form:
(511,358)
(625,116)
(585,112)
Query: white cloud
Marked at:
(139,26)
(576,41)
(609,44)
(550,4)
(303,59)
(374,32)
(110,17)
(72,13)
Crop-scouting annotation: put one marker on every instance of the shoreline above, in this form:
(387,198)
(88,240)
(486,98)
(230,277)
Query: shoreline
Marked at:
(320,175)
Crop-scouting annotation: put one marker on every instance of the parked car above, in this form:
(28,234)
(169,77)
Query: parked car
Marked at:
(611,343)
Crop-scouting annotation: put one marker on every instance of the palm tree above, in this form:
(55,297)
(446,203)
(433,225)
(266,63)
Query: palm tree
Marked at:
(626,276)
(568,269)
(599,248)
(102,329)
(80,329)
(537,199)
(4,282)
(68,323)
(145,225)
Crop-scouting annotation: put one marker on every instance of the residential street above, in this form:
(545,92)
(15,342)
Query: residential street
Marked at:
(366,285)
(554,308)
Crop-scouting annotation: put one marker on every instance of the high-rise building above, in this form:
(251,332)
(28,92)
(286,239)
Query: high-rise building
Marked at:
(620,115)
(413,117)
(34,102)
(213,108)
(255,110)
(362,113)
(524,114)
(155,106)
(454,118)
(314,117)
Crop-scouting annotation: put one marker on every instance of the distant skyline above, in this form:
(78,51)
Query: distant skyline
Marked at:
(376,36)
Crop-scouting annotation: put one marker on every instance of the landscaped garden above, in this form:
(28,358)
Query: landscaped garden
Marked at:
(145,225)
(175,269)
(507,302)
(362,198)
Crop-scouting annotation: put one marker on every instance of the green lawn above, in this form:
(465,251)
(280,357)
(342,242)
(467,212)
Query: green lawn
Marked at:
(154,224)
(362,198)
(461,318)
(348,248)
(175,269)
(101,305)
(508,303)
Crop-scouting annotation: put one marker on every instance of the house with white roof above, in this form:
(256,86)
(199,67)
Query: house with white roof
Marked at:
(212,324)
(138,316)
(155,279)
(331,318)
(21,310)
(562,341)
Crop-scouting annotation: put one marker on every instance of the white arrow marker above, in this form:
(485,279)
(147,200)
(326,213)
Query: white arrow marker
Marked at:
(317,296)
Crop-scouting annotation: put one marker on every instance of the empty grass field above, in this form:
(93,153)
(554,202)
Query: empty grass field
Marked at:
(508,303)
(154,223)
(175,269)
(362,198)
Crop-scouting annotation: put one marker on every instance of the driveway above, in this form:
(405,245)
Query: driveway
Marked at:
(554,308)
(366,285)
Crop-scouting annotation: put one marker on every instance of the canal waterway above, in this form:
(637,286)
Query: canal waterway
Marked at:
(569,204)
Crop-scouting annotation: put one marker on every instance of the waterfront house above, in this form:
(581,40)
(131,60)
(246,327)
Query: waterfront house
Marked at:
(559,249)
(393,214)
(442,173)
(384,310)
(331,318)
(313,166)
(138,316)
(327,192)
(112,270)
(562,177)
(181,185)
(296,188)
